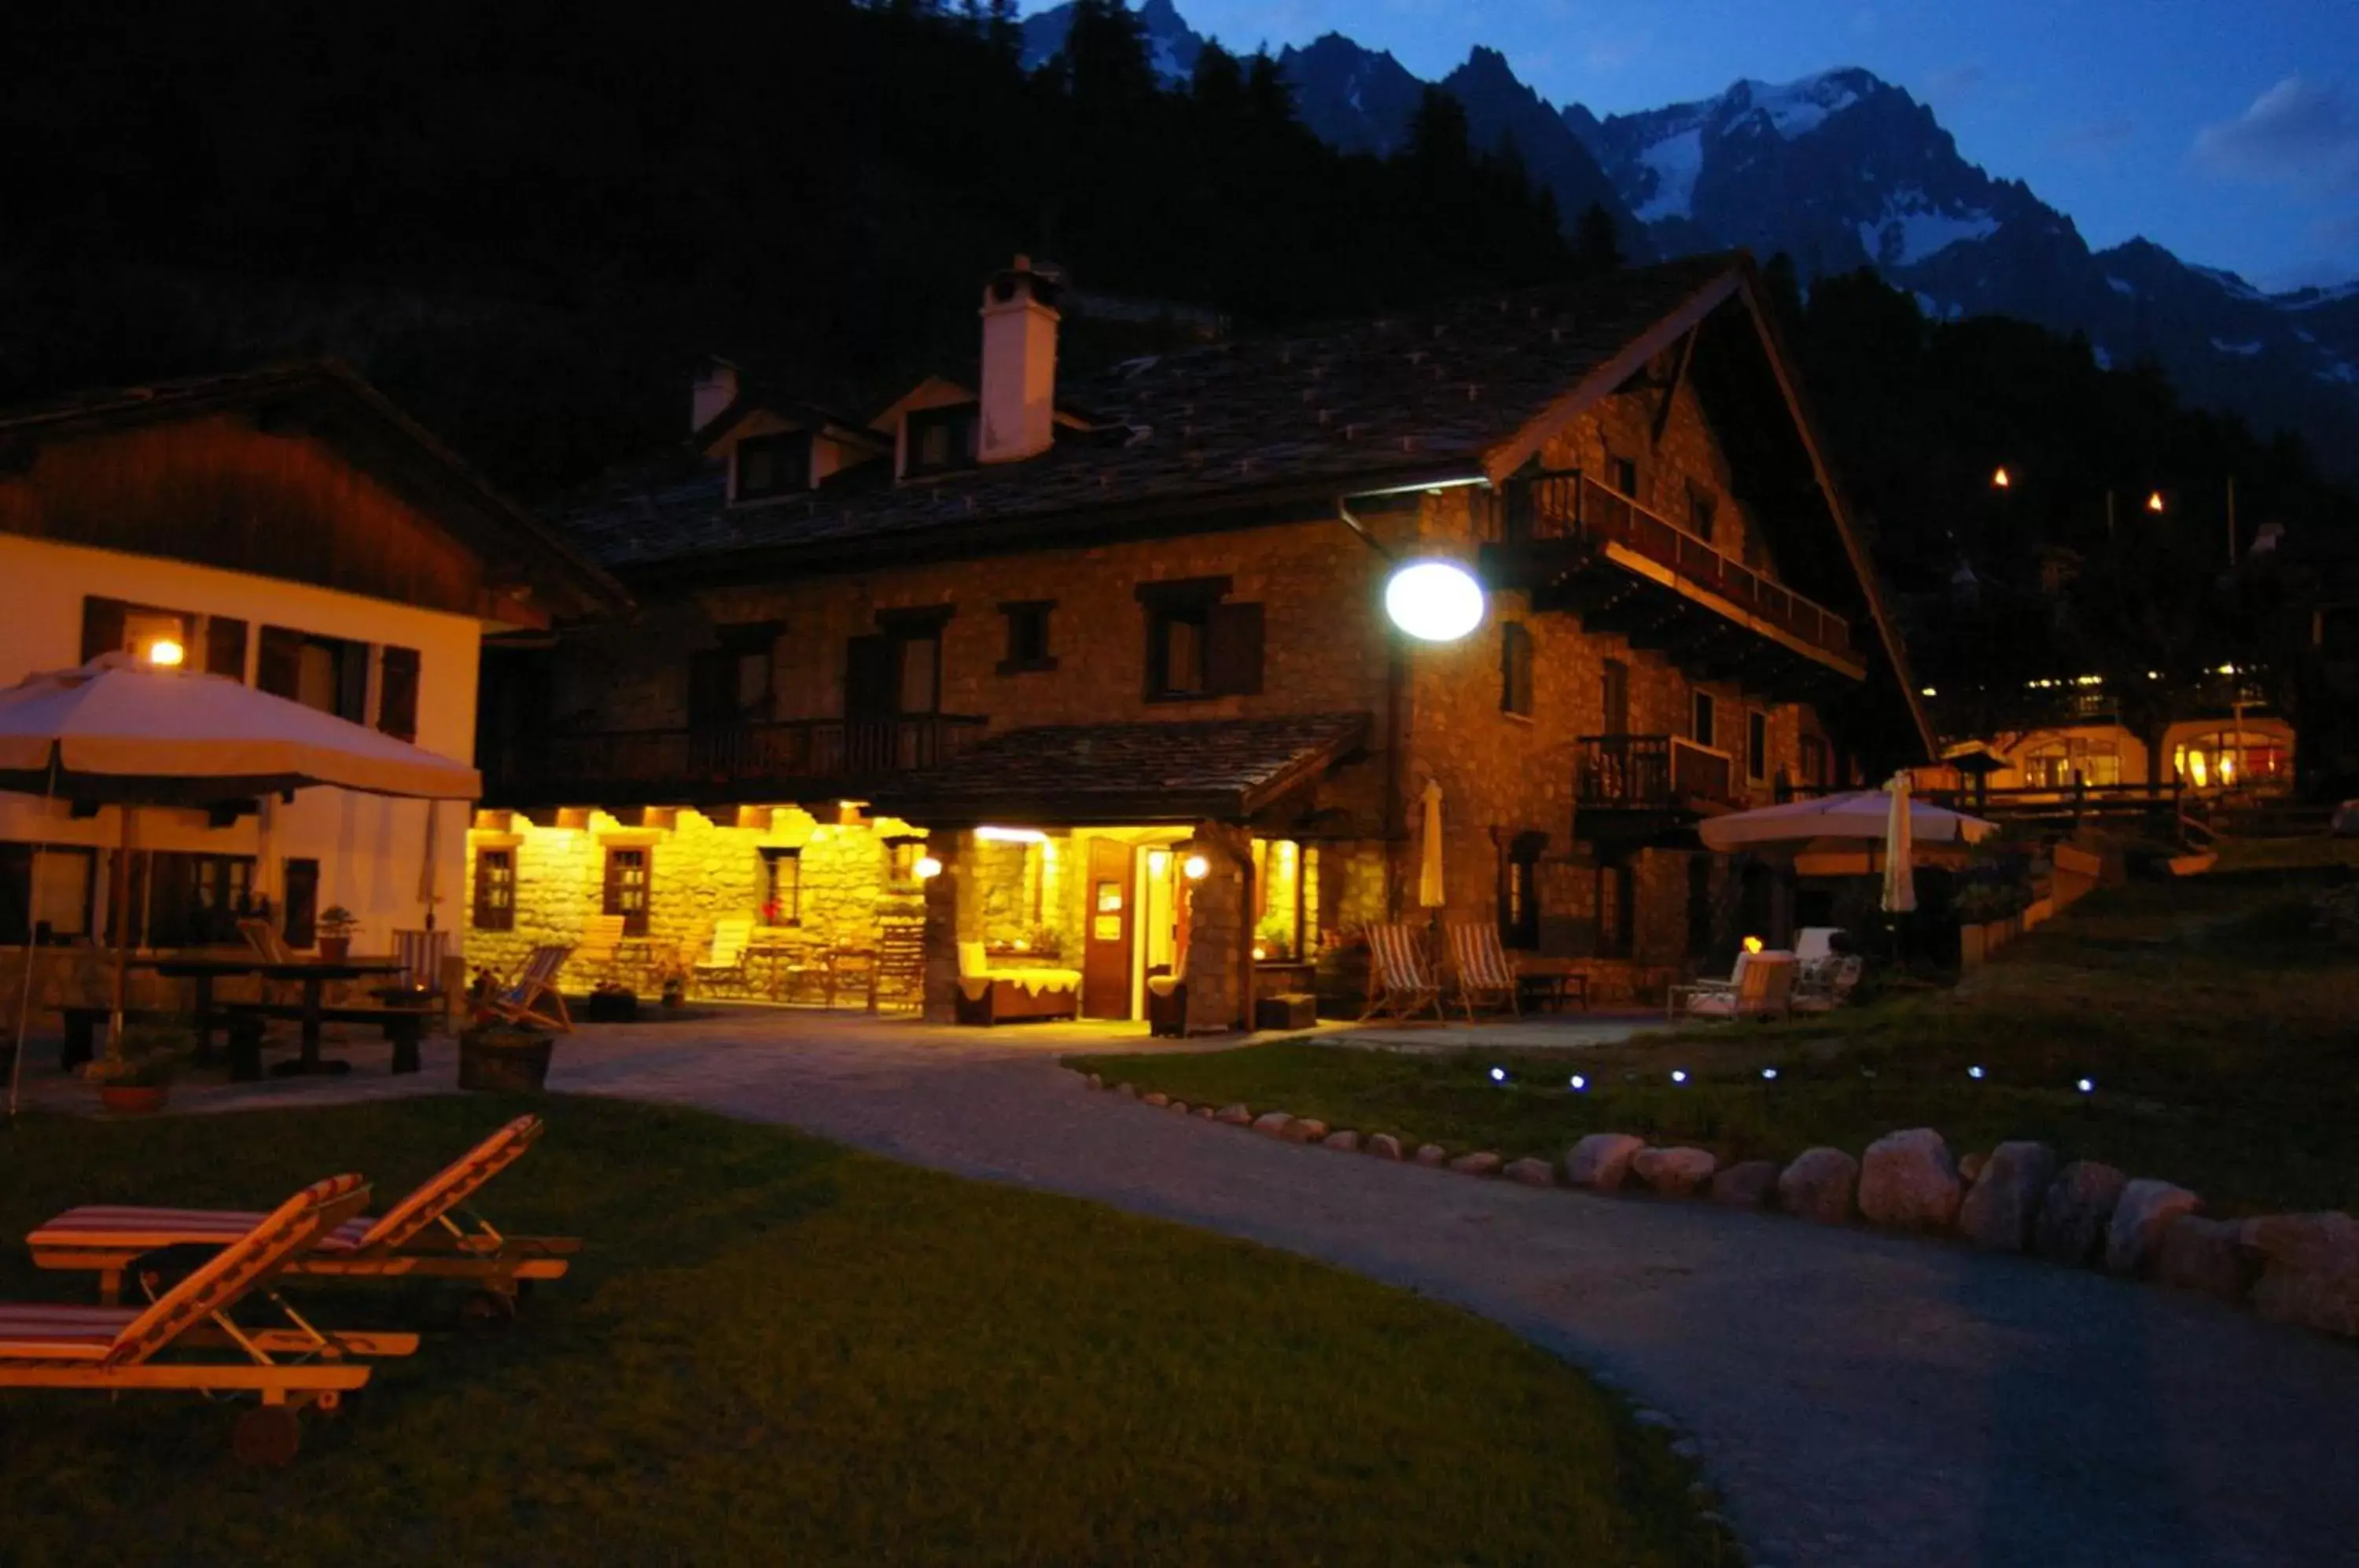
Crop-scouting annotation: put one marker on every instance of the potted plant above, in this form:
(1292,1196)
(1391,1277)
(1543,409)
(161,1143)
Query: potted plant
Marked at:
(135,1077)
(335,929)
(675,988)
(500,1057)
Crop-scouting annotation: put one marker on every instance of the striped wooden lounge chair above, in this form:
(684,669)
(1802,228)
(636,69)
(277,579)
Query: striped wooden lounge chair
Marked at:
(1485,973)
(1400,984)
(416,1238)
(532,997)
(185,1339)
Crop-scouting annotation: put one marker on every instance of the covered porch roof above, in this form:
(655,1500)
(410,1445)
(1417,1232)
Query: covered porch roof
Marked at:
(1100,775)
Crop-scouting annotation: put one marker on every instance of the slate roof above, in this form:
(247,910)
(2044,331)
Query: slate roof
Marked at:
(1402,396)
(1222,769)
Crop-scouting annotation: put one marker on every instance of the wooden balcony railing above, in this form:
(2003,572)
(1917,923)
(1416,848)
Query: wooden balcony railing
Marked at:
(1650,773)
(782,757)
(1573,505)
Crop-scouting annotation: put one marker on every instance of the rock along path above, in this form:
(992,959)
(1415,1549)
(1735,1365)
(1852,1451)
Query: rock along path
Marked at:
(1858,1399)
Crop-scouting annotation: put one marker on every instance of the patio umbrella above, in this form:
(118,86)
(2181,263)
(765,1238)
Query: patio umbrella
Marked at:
(1428,870)
(1859,813)
(130,733)
(1899,877)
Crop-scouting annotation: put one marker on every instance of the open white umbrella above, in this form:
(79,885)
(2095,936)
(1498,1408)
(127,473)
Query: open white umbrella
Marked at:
(1899,876)
(1428,870)
(127,733)
(1859,813)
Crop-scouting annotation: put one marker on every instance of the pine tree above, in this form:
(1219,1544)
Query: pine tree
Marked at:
(1597,243)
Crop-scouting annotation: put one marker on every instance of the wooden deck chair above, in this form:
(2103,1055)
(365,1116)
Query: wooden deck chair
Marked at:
(264,938)
(1399,982)
(1485,973)
(601,947)
(532,997)
(898,979)
(185,1340)
(1764,985)
(725,961)
(416,1238)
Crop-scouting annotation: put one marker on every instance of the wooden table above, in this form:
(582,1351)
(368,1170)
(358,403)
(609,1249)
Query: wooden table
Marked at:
(313,974)
(1552,986)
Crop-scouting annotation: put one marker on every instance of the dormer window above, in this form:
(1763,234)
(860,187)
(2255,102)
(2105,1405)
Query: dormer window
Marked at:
(772,465)
(939,440)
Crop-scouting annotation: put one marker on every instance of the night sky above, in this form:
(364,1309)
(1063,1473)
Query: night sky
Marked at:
(2227,130)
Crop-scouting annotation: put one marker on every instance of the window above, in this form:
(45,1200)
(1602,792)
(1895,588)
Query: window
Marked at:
(1616,720)
(939,439)
(1028,636)
(1814,760)
(397,693)
(1616,910)
(901,857)
(1622,472)
(733,682)
(1519,897)
(1756,747)
(1516,669)
(115,626)
(225,646)
(495,889)
(58,903)
(898,668)
(302,912)
(1702,515)
(772,465)
(782,887)
(1704,715)
(627,887)
(326,673)
(1198,646)
(192,900)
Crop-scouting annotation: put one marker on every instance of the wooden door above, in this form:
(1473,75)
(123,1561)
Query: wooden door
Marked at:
(1107,945)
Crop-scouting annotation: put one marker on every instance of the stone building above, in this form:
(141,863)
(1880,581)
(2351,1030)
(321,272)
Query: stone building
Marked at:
(1105,664)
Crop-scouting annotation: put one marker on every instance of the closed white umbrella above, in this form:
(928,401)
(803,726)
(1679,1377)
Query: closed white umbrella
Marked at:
(133,734)
(1899,876)
(1428,870)
(1859,813)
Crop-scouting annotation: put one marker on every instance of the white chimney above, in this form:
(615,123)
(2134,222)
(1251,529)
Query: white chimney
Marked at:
(715,389)
(1019,364)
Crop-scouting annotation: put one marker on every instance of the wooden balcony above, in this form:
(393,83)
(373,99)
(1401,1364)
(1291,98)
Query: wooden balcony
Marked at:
(1659,774)
(1575,545)
(792,759)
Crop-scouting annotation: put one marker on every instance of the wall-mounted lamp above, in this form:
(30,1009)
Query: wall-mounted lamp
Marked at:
(1195,867)
(165,653)
(927,867)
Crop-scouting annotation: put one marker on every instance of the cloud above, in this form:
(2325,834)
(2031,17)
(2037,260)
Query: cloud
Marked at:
(2091,137)
(2298,132)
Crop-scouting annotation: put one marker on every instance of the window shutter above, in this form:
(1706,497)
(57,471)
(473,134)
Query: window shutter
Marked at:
(302,911)
(871,677)
(1233,659)
(278,664)
(102,626)
(352,682)
(225,646)
(397,698)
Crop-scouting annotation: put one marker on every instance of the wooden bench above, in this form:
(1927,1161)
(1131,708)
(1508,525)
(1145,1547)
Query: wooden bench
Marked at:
(405,1026)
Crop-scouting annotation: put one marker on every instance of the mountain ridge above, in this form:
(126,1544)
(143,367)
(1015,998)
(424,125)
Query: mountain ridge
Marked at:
(1839,171)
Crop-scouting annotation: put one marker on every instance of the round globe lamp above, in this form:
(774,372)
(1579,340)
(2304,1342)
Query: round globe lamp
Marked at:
(1434,601)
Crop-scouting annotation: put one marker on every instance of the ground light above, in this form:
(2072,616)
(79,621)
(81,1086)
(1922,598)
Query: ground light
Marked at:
(1678,1074)
(1769,1072)
(1434,601)
(1498,1075)
(1579,1083)
(1974,1073)
(2086,1086)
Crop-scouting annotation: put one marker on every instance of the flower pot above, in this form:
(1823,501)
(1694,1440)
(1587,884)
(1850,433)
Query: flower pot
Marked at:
(132,1099)
(504,1062)
(335,949)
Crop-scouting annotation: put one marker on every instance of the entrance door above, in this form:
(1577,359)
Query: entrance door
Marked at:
(1105,952)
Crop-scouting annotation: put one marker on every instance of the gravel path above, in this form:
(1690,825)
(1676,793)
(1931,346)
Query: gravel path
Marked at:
(1859,1399)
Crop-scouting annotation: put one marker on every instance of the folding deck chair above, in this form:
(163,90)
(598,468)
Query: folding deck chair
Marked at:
(1485,973)
(185,1338)
(532,997)
(416,1238)
(1398,984)
(725,961)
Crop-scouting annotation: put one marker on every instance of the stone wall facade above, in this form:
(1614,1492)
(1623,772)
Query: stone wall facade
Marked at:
(1506,776)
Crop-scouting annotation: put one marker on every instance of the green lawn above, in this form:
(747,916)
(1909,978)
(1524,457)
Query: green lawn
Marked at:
(2221,1034)
(779,1351)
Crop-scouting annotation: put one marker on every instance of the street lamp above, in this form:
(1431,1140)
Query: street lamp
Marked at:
(1999,481)
(2154,502)
(1434,601)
